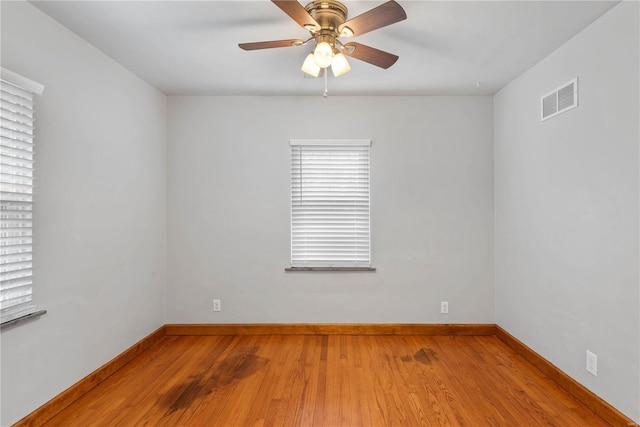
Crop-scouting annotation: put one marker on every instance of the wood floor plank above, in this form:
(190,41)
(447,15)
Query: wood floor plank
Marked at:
(328,381)
(257,407)
(238,363)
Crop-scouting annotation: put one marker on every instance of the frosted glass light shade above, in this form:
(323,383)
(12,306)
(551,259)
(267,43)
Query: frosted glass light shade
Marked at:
(340,65)
(310,67)
(323,54)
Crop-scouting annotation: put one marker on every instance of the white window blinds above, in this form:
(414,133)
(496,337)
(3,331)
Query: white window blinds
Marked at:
(330,215)
(16,193)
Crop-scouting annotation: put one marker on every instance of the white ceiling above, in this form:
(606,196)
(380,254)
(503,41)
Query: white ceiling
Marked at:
(445,47)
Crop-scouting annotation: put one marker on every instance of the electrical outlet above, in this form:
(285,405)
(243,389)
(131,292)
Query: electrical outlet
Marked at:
(444,307)
(592,363)
(216,305)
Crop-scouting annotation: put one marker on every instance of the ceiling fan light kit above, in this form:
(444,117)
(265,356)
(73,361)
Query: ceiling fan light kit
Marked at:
(323,54)
(326,21)
(310,67)
(340,65)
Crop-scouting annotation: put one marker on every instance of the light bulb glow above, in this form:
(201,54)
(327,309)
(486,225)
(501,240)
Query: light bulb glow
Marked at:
(323,54)
(310,67)
(340,65)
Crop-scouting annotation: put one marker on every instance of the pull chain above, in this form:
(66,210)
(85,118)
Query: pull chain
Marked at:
(326,90)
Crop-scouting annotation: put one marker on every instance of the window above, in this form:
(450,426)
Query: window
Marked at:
(330,215)
(16,196)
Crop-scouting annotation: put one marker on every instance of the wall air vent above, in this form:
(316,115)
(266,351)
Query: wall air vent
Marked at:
(560,100)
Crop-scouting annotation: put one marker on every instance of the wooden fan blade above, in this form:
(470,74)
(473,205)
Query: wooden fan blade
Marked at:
(378,17)
(371,55)
(270,44)
(297,12)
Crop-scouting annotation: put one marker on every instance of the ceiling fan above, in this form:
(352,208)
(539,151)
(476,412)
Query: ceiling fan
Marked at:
(326,21)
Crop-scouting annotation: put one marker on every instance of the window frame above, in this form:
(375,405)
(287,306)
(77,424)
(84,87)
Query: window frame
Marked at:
(344,144)
(13,86)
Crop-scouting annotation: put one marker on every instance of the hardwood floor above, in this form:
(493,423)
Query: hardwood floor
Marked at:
(327,380)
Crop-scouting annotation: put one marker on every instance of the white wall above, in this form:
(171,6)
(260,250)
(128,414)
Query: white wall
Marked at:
(566,208)
(100,222)
(228,210)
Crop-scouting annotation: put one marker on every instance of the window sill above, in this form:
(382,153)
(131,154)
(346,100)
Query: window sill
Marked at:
(296,269)
(29,316)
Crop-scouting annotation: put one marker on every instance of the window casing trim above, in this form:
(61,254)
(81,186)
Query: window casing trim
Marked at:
(331,142)
(21,81)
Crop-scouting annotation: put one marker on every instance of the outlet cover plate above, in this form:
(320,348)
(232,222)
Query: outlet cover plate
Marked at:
(592,363)
(444,307)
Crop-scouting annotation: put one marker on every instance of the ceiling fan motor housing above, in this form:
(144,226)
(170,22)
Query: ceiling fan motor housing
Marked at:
(330,15)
